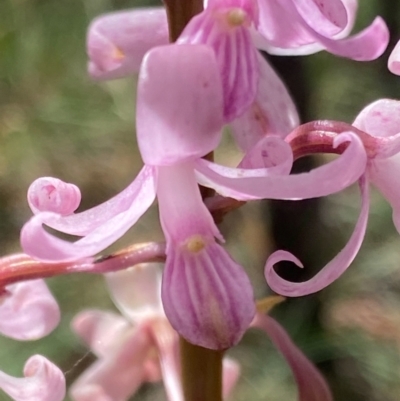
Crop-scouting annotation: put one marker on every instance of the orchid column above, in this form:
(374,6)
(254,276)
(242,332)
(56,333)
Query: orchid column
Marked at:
(201,380)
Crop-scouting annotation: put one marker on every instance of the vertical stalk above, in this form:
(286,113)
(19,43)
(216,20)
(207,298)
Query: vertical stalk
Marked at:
(201,372)
(180,12)
(201,367)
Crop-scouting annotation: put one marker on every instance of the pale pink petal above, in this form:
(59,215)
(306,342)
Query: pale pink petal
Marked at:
(327,17)
(137,291)
(230,376)
(272,112)
(43,381)
(381,120)
(117,376)
(333,270)
(311,384)
(271,152)
(28,311)
(234,50)
(207,296)
(394,60)
(100,330)
(84,223)
(385,175)
(166,340)
(117,42)
(285,30)
(242,184)
(367,45)
(48,194)
(179,110)
(38,243)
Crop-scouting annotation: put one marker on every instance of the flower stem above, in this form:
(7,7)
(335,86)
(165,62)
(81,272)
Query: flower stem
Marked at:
(201,372)
(201,367)
(180,12)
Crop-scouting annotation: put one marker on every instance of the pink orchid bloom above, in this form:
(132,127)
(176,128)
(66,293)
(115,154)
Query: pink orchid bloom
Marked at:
(28,310)
(235,29)
(378,125)
(43,381)
(140,346)
(207,296)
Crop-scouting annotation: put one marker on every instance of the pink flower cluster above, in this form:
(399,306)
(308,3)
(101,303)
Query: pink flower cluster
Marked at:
(187,91)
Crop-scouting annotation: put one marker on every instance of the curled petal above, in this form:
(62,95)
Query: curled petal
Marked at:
(136,291)
(179,110)
(49,194)
(367,45)
(381,120)
(117,42)
(101,331)
(230,375)
(28,311)
(272,112)
(327,17)
(244,184)
(40,244)
(43,381)
(394,60)
(311,385)
(271,152)
(85,222)
(334,269)
(117,376)
(207,296)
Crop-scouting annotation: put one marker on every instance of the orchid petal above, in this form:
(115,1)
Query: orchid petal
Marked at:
(136,291)
(271,152)
(117,376)
(394,60)
(272,112)
(311,385)
(328,17)
(234,50)
(28,311)
(244,184)
(48,194)
(85,222)
(367,45)
(166,340)
(43,381)
(179,110)
(100,330)
(39,244)
(207,296)
(381,120)
(334,269)
(117,42)
(230,375)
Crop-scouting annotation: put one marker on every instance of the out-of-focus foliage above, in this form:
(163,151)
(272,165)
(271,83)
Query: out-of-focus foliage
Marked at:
(55,121)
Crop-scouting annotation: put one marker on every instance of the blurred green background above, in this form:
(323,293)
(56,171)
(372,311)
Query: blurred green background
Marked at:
(54,121)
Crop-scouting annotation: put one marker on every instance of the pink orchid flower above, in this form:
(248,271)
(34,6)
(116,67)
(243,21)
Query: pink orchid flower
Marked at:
(28,310)
(43,381)
(207,296)
(140,346)
(235,29)
(378,125)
